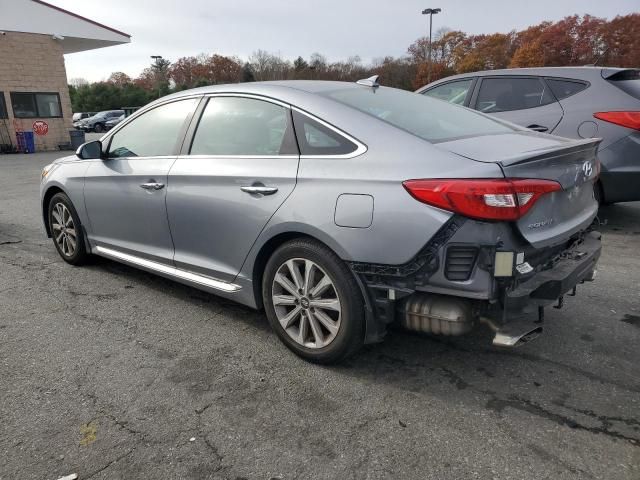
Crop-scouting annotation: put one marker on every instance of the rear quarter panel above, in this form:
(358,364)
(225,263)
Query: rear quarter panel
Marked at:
(401,225)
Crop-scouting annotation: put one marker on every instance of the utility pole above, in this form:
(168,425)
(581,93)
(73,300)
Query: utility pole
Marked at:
(431,12)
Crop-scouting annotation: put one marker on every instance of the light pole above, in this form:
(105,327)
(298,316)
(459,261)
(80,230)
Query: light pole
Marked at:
(431,12)
(156,59)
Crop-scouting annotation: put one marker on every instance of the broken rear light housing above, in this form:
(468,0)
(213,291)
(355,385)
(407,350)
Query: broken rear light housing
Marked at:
(483,199)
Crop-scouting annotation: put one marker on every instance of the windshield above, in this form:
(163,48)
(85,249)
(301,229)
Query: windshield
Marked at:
(428,118)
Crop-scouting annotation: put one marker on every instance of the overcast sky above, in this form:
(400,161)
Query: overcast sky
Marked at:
(335,28)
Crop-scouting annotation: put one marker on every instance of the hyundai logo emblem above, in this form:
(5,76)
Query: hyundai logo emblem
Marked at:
(587,168)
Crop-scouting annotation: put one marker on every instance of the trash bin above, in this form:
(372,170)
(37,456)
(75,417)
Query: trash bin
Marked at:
(77,138)
(26,142)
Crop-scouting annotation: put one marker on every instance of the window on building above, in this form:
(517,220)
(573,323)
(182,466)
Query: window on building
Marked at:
(3,106)
(36,105)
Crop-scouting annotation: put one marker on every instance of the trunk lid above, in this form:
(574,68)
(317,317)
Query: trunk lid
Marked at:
(556,216)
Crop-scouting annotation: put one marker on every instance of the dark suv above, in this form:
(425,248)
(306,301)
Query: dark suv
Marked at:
(574,102)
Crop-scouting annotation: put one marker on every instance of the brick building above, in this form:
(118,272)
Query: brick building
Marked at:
(34,96)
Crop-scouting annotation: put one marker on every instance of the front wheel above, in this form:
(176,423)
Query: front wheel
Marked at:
(98,128)
(312,302)
(66,230)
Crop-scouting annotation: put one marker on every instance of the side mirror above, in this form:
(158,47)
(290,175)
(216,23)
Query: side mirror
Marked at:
(90,150)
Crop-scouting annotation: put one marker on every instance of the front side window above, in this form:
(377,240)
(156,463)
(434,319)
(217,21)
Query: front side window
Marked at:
(420,115)
(36,105)
(3,106)
(157,132)
(506,94)
(452,92)
(238,126)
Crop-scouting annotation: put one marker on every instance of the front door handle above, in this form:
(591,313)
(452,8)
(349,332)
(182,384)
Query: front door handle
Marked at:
(152,186)
(259,189)
(538,128)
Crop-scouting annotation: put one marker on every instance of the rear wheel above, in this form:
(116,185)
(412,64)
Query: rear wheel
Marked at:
(313,302)
(66,230)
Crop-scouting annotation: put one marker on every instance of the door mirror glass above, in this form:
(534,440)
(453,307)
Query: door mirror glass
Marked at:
(90,150)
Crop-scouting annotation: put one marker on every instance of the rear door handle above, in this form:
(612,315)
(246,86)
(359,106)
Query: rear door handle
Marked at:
(152,186)
(538,128)
(259,189)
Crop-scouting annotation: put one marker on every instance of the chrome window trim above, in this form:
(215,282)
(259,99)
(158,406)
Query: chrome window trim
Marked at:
(360,147)
(107,136)
(167,270)
(249,95)
(268,157)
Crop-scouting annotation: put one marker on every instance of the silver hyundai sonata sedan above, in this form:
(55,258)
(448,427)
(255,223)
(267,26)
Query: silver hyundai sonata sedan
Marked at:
(337,208)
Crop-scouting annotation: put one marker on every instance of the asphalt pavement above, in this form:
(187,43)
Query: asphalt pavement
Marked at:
(113,373)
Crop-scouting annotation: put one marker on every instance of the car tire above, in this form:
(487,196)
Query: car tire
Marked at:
(598,192)
(98,128)
(318,312)
(66,230)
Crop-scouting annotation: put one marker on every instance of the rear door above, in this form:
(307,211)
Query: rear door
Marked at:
(238,167)
(125,193)
(527,101)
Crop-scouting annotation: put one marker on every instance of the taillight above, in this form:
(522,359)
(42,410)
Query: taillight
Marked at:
(624,119)
(484,199)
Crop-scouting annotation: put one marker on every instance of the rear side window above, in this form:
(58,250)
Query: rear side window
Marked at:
(452,92)
(506,94)
(315,138)
(154,133)
(236,126)
(565,88)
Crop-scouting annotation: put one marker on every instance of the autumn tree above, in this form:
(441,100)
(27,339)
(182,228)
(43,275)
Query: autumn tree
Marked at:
(119,79)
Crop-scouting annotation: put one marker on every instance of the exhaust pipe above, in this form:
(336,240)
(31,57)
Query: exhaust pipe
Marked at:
(453,316)
(436,314)
(513,334)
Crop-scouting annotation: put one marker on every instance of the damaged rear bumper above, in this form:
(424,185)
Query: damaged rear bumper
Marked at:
(420,296)
(574,266)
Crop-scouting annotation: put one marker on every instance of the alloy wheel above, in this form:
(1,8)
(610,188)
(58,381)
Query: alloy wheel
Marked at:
(64,229)
(306,303)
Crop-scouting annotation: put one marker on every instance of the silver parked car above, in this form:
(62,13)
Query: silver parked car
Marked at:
(574,102)
(338,208)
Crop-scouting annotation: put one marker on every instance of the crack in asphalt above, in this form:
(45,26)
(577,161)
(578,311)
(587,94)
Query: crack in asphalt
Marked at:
(112,462)
(498,405)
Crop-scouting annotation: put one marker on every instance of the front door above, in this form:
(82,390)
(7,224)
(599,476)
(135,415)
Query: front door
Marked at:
(240,167)
(526,101)
(125,193)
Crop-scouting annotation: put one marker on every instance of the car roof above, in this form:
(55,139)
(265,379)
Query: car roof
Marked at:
(589,73)
(284,90)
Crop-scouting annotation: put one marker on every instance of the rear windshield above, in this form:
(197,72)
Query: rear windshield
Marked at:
(428,118)
(628,81)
